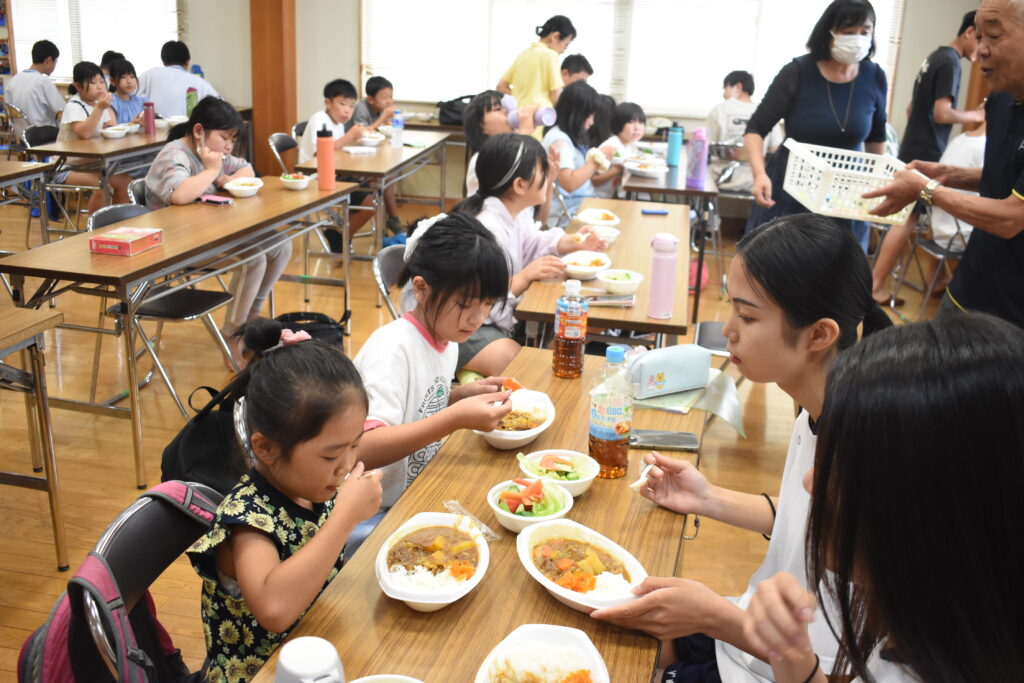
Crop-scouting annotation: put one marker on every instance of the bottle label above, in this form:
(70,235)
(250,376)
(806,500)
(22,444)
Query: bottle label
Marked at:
(610,417)
(571,320)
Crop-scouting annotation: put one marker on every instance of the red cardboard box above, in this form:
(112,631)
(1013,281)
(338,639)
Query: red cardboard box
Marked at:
(126,241)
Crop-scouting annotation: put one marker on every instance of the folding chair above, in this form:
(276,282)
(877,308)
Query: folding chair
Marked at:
(180,305)
(950,251)
(17,124)
(387,266)
(44,135)
(279,144)
(298,129)
(137,192)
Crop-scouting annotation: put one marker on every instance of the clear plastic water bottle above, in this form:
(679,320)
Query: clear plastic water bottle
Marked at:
(397,126)
(611,415)
(570,332)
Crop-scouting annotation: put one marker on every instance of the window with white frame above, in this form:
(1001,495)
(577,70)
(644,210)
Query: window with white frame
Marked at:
(84,29)
(669,56)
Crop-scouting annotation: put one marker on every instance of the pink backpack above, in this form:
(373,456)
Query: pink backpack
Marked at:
(104,627)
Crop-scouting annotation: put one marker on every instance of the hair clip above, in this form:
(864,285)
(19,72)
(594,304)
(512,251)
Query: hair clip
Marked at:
(421,229)
(512,170)
(242,432)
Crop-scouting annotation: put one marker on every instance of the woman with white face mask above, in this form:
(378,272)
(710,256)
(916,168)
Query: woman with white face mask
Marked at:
(833,96)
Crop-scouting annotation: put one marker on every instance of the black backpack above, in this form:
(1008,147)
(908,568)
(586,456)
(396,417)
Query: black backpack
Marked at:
(452,112)
(206,450)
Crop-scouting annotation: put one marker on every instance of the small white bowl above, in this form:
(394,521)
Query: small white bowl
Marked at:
(431,601)
(372,139)
(586,466)
(387,678)
(296,183)
(175,120)
(530,401)
(425,115)
(607,233)
(606,278)
(516,523)
(646,169)
(384,130)
(244,187)
(114,132)
(595,216)
(161,124)
(566,528)
(577,264)
(134,127)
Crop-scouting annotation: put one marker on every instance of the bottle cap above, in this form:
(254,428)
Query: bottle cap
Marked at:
(615,354)
(573,286)
(323,132)
(665,242)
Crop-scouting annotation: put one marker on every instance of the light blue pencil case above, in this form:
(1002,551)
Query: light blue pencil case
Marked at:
(669,370)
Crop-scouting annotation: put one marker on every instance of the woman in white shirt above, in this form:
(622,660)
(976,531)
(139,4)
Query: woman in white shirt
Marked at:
(916,511)
(800,288)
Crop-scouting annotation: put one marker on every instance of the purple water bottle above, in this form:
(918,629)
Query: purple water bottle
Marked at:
(663,276)
(697,158)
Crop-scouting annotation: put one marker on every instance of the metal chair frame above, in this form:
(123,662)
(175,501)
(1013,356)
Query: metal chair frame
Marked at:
(204,310)
(387,265)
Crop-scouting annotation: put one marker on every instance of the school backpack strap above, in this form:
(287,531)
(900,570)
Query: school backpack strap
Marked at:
(93,588)
(189,499)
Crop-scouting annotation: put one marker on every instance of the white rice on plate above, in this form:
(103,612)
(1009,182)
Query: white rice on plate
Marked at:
(537,663)
(609,585)
(422,579)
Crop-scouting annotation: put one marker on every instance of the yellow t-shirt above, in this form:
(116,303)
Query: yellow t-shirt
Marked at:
(534,74)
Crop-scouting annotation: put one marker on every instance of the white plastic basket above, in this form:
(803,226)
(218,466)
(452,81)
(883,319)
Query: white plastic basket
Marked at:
(830,181)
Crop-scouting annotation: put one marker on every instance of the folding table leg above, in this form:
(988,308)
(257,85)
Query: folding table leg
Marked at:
(49,460)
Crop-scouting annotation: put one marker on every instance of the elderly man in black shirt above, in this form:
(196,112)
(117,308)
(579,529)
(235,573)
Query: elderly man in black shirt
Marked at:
(991,276)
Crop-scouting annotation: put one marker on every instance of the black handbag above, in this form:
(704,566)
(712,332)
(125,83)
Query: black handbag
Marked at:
(452,112)
(318,325)
(206,449)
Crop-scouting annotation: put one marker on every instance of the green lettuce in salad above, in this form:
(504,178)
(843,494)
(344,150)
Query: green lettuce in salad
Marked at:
(528,499)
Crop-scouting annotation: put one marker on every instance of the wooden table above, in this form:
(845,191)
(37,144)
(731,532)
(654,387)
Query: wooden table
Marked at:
(375,634)
(16,172)
(195,236)
(701,198)
(22,330)
(389,165)
(632,251)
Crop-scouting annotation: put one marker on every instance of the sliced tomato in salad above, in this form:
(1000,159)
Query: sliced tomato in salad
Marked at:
(511,384)
(556,463)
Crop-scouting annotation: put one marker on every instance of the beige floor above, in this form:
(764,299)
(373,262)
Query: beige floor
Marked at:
(95,461)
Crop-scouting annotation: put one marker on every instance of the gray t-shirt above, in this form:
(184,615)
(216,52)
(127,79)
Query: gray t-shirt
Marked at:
(361,114)
(175,164)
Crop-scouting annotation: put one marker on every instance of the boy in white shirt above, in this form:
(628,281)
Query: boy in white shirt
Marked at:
(166,86)
(727,120)
(32,91)
(339,103)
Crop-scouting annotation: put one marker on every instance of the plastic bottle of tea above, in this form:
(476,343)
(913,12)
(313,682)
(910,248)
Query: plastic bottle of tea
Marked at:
(570,332)
(611,415)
